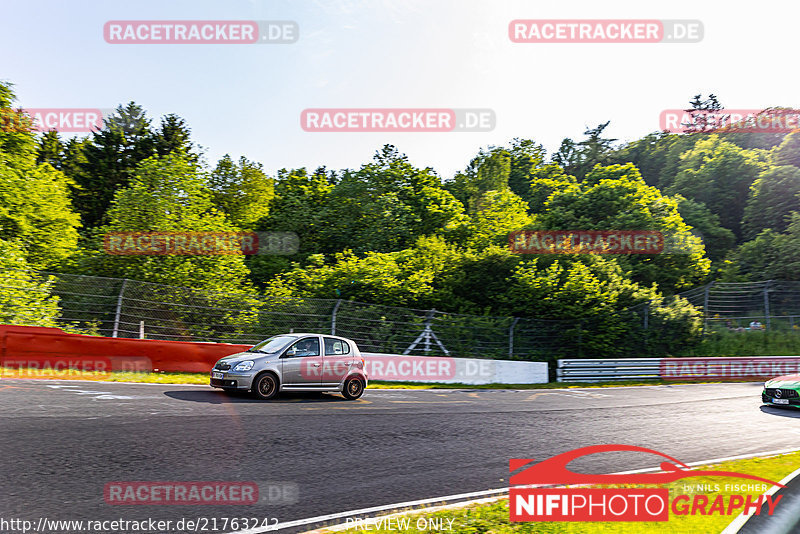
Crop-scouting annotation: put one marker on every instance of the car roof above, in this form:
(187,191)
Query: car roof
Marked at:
(300,334)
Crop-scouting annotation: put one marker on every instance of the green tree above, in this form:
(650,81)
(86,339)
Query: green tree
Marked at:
(499,213)
(773,197)
(569,288)
(656,155)
(16,127)
(112,157)
(545,181)
(298,205)
(50,149)
(718,174)
(242,191)
(174,136)
(568,156)
(488,171)
(526,158)
(386,205)
(36,214)
(400,278)
(706,114)
(166,194)
(769,256)
(718,241)
(577,159)
(25,297)
(617,198)
(788,152)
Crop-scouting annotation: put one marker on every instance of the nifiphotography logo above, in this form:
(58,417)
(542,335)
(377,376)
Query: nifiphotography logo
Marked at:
(582,503)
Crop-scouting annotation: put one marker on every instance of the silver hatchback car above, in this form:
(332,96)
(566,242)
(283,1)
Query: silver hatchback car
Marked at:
(294,362)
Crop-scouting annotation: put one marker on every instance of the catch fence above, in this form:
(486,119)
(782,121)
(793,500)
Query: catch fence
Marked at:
(118,307)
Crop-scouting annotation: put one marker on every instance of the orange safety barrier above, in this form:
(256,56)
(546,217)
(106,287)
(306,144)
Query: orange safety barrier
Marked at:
(52,348)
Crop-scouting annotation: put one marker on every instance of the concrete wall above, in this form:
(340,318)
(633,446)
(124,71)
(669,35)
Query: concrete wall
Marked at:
(444,369)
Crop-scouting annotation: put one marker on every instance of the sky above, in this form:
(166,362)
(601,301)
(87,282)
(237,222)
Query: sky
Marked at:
(246,99)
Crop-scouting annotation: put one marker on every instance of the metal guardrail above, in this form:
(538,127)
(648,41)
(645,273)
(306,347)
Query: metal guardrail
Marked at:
(604,369)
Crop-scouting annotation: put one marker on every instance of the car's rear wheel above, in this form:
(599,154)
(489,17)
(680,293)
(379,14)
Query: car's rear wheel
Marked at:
(265,387)
(353,388)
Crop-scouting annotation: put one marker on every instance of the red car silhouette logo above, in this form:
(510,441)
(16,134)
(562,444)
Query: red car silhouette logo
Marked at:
(554,470)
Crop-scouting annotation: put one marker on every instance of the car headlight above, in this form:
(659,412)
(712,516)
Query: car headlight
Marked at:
(244,366)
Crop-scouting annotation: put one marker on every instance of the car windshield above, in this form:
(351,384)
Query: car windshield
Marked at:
(273,344)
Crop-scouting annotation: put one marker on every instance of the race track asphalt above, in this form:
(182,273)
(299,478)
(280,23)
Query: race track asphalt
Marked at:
(62,441)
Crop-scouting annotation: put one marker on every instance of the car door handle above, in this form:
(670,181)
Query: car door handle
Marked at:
(315,365)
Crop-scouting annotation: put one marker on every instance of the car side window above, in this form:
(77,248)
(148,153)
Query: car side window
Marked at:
(306,347)
(336,346)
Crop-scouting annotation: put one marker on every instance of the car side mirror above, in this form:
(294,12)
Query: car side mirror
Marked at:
(290,352)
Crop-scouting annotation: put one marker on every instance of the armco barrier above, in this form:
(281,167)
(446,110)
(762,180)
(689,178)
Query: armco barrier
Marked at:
(607,369)
(713,368)
(37,347)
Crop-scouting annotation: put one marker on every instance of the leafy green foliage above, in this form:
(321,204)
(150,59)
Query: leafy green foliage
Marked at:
(788,152)
(242,191)
(386,205)
(579,158)
(166,193)
(718,174)
(656,155)
(718,241)
(298,207)
(25,298)
(497,214)
(389,232)
(617,198)
(773,197)
(769,256)
(35,208)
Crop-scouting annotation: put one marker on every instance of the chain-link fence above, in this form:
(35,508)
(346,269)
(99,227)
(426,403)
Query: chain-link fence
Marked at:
(127,308)
(771,305)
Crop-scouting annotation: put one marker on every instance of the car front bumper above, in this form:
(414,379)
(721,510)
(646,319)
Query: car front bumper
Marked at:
(779,401)
(231,380)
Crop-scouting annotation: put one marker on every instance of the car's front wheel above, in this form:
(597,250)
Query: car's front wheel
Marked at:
(266,386)
(353,388)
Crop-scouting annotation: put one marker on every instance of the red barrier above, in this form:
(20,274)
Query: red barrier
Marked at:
(30,346)
(729,368)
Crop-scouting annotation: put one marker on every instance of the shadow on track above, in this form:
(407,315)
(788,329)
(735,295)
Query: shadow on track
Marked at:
(222,397)
(782,412)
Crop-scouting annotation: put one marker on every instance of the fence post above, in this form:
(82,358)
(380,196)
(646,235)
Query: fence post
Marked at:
(428,330)
(119,308)
(705,306)
(511,336)
(333,316)
(766,303)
